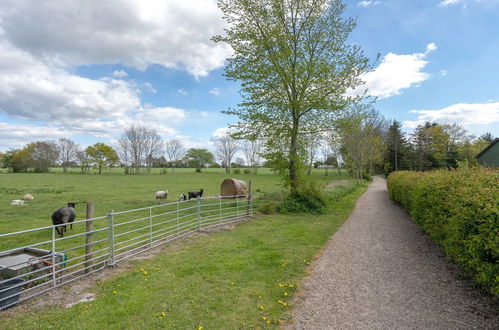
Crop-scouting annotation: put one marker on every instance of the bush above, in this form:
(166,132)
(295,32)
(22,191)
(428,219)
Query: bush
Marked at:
(198,170)
(367,177)
(459,210)
(246,171)
(310,199)
(237,171)
(268,207)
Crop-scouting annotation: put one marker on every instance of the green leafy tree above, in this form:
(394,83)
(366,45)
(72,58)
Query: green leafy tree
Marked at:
(199,158)
(295,68)
(430,144)
(102,155)
(395,145)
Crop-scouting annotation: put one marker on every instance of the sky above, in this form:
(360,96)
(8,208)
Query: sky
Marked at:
(87,70)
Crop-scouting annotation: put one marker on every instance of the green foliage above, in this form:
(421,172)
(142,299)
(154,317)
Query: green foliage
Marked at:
(309,199)
(237,171)
(101,155)
(459,210)
(246,171)
(199,158)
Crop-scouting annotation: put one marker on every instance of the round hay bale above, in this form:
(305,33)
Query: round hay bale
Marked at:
(233,187)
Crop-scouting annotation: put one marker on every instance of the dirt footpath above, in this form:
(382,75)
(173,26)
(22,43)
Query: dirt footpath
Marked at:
(380,271)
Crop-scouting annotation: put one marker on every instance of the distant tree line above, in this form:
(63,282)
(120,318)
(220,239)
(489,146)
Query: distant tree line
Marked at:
(137,151)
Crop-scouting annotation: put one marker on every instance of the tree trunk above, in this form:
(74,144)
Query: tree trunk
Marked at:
(293,155)
(100,168)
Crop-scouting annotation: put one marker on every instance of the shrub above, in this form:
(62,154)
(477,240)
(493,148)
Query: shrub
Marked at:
(268,207)
(309,199)
(367,177)
(237,171)
(197,170)
(246,171)
(459,210)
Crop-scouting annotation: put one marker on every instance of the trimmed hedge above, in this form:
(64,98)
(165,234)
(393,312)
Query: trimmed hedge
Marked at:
(460,210)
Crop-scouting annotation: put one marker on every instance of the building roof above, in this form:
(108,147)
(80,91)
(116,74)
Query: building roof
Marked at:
(488,147)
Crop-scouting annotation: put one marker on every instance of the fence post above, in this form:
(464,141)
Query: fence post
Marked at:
(110,221)
(237,206)
(150,227)
(89,237)
(178,220)
(54,282)
(198,211)
(249,210)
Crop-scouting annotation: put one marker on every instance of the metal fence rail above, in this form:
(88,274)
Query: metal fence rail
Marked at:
(99,242)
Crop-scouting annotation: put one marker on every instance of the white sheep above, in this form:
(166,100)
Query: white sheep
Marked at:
(17,202)
(182,197)
(162,195)
(28,197)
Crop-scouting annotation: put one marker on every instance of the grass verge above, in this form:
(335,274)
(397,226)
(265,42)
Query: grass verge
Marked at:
(244,278)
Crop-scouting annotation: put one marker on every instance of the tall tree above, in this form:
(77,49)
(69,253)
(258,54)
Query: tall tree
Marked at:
(68,150)
(199,158)
(430,144)
(102,155)
(295,68)
(395,141)
(252,150)
(43,154)
(225,149)
(174,150)
(138,146)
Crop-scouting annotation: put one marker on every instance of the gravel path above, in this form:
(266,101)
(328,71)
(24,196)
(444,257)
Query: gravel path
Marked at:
(380,271)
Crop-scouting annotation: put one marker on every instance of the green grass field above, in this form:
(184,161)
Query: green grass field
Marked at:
(111,191)
(239,279)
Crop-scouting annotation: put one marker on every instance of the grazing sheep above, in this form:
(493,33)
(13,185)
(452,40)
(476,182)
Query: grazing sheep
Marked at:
(17,202)
(62,216)
(28,197)
(162,195)
(182,197)
(195,194)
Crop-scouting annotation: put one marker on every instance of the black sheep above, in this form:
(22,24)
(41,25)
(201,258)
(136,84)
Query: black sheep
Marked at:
(62,216)
(195,194)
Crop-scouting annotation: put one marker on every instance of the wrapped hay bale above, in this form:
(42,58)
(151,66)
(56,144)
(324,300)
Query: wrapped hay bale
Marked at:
(233,187)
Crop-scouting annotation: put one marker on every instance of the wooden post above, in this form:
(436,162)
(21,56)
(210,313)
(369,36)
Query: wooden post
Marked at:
(248,210)
(89,237)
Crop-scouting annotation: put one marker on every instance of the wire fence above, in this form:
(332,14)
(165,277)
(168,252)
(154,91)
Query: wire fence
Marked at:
(40,260)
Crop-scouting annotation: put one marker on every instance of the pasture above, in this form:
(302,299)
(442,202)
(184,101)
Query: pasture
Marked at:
(111,191)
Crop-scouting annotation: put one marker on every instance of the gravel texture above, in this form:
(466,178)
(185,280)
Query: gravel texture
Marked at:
(380,271)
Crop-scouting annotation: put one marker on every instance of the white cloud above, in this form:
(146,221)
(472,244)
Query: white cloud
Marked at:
(17,135)
(449,2)
(214,91)
(172,33)
(365,3)
(120,73)
(395,73)
(442,73)
(32,90)
(466,114)
(182,91)
(147,86)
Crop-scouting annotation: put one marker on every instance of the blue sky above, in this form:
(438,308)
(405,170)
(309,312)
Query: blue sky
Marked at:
(87,70)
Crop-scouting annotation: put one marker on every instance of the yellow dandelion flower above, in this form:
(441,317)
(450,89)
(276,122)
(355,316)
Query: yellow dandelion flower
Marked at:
(145,279)
(279,301)
(291,285)
(115,292)
(259,297)
(145,273)
(200,328)
(231,283)
(264,318)
(162,315)
(281,285)
(260,307)
(268,321)
(285,293)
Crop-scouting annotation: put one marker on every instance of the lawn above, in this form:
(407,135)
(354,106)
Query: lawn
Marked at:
(243,278)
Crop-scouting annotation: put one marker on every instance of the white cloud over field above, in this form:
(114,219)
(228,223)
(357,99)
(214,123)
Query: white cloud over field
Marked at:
(466,114)
(395,73)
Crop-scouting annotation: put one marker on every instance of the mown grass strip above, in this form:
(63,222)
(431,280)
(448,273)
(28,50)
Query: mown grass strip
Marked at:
(241,278)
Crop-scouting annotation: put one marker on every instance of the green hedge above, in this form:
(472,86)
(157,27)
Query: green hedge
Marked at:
(458,209)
